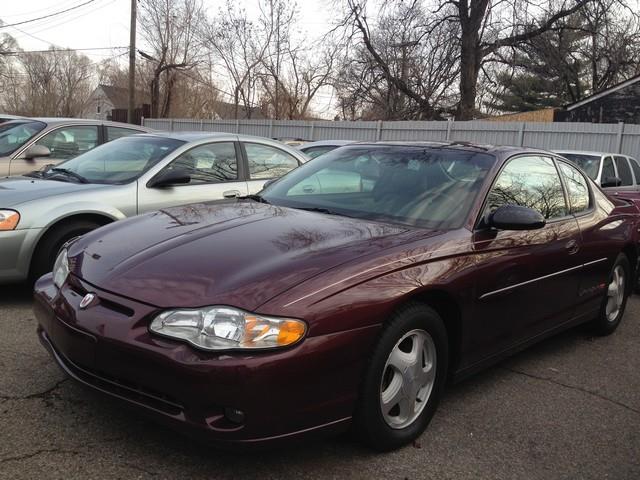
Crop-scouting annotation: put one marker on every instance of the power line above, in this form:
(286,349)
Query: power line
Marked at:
(56,22)
(47,16)
(52,50)
(32,36)
(31,12)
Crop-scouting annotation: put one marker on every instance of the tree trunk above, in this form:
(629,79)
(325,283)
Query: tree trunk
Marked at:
(469,69)
(155,95)
(471,15)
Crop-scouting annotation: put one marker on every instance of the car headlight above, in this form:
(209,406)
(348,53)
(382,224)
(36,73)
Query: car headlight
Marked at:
(227,328)
(9,219)
(61,268)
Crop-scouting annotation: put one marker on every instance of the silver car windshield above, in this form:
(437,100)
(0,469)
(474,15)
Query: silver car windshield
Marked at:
(431,187)
(589,163)
(119,161)
(14,135)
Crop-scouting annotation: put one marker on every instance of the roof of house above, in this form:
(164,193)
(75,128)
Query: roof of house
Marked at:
(603,93)
(119,96)
(226,110)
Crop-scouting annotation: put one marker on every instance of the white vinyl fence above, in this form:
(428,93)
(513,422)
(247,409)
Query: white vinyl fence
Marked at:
(604,137)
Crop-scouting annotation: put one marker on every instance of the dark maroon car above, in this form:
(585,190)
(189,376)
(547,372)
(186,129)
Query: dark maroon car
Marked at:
(347,293)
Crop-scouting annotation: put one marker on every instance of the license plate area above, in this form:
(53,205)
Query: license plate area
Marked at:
(76,345)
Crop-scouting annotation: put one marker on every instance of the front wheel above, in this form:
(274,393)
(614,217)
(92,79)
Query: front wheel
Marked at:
(404,380)
(50,245)
(615,300)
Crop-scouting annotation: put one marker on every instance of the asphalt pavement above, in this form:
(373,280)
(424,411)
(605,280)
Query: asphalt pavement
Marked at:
(566,408)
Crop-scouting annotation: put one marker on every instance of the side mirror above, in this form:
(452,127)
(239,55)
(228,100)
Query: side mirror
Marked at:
(268,182)
(610,182)
(516,217)
(35,151)
(178,176)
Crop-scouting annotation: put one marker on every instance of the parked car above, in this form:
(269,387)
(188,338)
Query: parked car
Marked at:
(614,172)
(293,313)
(5,117)
(31,143)
(131,175)
(292,142)
(315,149)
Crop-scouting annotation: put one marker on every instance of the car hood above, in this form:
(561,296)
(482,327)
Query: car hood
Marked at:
(229,253)
(17,190)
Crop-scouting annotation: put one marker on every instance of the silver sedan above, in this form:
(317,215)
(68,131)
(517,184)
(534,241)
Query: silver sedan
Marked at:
(40,211)
(28,144)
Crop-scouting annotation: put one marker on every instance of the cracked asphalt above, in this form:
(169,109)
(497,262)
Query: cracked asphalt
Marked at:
(566,408)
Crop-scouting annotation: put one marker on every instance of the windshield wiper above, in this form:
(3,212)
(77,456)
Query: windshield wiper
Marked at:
(34,174)
(254,197)
(319,210)
(69,173)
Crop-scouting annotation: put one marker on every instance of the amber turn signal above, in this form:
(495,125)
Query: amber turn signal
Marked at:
(9,219)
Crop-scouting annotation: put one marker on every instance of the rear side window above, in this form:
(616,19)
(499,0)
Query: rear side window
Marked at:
(624,172)
(607,169)
(118,132)
(530,182)
(577,189)
(636,169)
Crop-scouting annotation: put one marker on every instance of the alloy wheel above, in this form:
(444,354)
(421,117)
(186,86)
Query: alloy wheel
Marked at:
(615,293)
(408,378)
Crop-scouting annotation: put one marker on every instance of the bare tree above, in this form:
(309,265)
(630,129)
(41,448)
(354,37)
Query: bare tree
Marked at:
(53,83)
(292,71)
(483,28)
(401,73)
(239,46)
(169,28)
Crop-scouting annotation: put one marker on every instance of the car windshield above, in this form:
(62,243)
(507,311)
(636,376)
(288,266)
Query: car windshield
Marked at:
(589,163)
(424,186)
(313,152)
(15,134)
(119,161)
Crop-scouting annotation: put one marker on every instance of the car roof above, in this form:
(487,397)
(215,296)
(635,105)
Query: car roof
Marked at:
(586,152)
(497,150)
(327,143)
(198,136)
(80,121)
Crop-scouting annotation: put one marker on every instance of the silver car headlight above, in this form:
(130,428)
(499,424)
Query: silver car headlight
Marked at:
(227,328)
(61,268)
(9,220)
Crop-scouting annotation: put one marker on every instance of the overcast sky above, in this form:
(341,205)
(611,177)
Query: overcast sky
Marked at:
(105,23)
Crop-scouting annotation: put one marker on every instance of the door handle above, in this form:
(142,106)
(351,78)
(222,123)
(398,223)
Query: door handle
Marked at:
(572,247)
(231,194)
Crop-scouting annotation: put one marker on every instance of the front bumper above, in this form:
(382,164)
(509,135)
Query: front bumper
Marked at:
(16,249)
(306,390)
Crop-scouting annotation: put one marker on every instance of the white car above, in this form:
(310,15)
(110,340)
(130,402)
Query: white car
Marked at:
(609,170)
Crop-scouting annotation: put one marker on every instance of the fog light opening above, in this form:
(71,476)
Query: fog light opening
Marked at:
(234,415)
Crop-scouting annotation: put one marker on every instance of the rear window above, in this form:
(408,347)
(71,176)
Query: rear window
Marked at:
(590,164)
(636,169)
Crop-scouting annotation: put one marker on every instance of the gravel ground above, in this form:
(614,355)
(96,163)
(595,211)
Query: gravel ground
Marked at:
(566,408)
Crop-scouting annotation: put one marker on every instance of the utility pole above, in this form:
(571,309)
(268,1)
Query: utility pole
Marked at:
(132,64)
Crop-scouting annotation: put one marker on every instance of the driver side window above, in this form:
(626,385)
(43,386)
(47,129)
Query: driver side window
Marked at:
(211,163)
(529,182)
(69,142)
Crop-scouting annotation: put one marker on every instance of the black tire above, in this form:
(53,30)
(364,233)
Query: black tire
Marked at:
(603,325)
(53,240)
(369,422)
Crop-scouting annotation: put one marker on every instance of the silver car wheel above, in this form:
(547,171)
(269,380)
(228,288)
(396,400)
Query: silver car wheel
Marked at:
(407,379)
(615,293)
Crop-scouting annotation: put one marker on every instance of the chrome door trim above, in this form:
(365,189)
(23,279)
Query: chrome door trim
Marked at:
(511,287)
